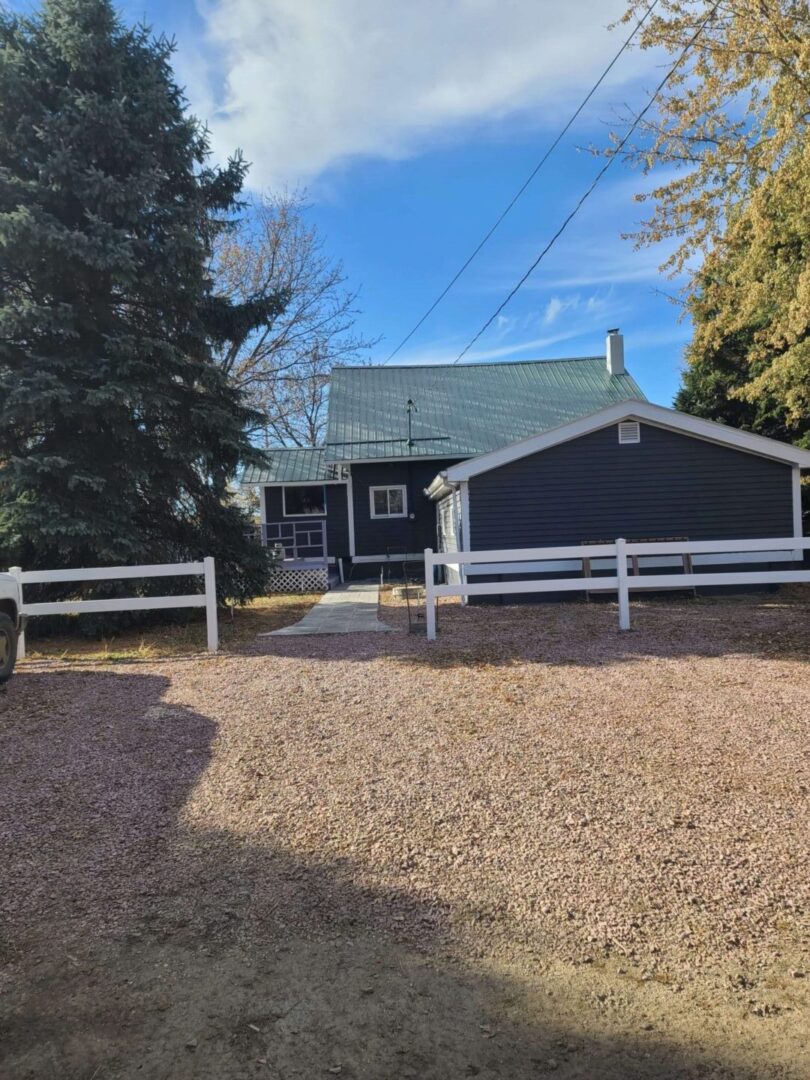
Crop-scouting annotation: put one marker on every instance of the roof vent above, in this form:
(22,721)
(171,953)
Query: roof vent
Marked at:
(629,432)
(615,352)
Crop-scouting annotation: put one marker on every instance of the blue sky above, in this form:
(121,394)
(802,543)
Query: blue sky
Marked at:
(411,126)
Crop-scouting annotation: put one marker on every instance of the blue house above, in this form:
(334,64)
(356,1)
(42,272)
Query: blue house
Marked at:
(506,455)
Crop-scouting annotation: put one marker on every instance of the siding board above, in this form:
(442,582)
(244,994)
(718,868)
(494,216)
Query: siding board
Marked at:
(336,517)
(378,536)
(592,488)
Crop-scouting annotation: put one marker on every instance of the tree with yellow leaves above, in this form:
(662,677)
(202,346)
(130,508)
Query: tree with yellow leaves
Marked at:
(733,123)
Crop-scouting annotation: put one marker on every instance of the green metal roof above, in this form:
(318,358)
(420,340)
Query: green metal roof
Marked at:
(463,409)
(291,467)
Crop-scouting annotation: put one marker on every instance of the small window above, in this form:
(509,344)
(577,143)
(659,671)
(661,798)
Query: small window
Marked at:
(304,501)
(629,432)
(388,502)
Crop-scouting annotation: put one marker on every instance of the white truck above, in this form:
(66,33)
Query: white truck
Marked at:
(11,624)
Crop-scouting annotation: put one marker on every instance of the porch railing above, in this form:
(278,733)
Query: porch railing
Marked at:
(305,540)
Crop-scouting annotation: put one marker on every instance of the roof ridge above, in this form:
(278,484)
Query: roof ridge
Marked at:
(461,367)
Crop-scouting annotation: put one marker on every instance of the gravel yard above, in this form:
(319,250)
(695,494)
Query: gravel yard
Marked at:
(538,846)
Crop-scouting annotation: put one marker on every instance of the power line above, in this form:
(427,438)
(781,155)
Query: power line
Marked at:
(590,190)
(525,184)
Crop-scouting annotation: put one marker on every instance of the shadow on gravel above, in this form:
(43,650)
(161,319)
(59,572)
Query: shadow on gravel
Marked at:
(139,946)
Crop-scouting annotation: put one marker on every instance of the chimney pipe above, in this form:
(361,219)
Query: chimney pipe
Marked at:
(615,352)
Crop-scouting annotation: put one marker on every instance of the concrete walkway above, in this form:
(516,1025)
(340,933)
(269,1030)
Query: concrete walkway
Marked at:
(346,609)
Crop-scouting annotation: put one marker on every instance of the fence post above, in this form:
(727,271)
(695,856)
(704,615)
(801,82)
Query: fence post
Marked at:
(430,599)
(211,604)
(621,580)
(16,571)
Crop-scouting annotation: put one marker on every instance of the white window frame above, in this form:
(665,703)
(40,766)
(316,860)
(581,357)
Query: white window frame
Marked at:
(311,513)
(388,487)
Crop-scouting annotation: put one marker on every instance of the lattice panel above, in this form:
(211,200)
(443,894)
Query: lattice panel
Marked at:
(315,579)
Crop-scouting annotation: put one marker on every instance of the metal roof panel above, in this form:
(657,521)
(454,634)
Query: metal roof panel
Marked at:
(293,466)
(464,409)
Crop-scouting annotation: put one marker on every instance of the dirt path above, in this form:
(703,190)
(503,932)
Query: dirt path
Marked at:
(539,847)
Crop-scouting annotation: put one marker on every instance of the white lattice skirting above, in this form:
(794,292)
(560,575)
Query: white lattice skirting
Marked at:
(314,579)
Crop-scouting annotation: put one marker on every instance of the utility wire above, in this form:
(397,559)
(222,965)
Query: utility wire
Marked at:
(596,180)
(525,184)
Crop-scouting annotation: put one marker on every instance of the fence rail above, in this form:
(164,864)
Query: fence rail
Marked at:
(621,581)
(207,599)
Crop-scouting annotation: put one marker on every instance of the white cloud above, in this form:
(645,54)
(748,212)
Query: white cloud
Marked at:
(553,308)
(303,85)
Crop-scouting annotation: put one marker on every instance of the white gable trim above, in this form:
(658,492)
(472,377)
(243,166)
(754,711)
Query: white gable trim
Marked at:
(632,409)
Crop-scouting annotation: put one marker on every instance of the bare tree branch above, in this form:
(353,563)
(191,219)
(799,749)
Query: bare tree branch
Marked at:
(284,366)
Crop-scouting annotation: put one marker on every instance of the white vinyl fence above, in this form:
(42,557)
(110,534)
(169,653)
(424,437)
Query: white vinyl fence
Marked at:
(612,557)
(207,599)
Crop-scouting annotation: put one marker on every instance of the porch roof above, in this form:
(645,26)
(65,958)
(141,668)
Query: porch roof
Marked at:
(292,466)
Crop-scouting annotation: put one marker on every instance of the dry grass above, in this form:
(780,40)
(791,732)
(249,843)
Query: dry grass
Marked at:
(237,627)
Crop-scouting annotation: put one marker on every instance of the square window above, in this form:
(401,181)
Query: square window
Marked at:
(389,502)
(305,501)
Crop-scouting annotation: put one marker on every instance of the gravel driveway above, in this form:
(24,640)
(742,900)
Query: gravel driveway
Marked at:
(537,846)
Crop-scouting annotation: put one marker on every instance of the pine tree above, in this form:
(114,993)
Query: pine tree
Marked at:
(118,434)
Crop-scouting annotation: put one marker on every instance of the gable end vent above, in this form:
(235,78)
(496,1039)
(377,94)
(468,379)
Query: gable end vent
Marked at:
(629,432)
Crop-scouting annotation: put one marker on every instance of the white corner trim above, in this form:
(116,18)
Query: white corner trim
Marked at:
(262,505)
(632,409)
(350,511)
(466,544)
(797,501)
(797,506)
(388,487)
(465,517)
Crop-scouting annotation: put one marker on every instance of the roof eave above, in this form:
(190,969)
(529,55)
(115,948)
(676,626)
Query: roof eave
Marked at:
(633,409)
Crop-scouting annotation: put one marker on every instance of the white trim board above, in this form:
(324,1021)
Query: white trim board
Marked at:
(296,483)
(797,500)
(391,460)
(350,512)
(416,556)
(631,409)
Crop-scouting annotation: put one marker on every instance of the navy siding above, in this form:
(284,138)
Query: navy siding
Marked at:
(594,489)
(337,520)
(376,536)
(337,516)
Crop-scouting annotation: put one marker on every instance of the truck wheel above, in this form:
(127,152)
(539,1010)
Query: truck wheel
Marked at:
(8,647)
